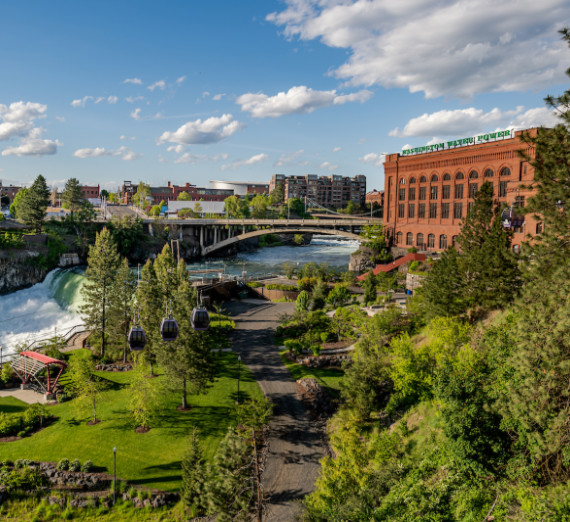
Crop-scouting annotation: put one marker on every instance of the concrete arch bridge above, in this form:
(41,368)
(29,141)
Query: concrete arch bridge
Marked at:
(217,234)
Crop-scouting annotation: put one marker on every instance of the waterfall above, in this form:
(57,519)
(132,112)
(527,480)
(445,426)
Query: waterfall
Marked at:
(46,307)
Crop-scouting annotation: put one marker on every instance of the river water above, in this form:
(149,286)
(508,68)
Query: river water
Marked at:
(53,305)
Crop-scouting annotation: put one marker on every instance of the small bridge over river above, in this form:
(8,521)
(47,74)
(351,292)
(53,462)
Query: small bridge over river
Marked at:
(217,234)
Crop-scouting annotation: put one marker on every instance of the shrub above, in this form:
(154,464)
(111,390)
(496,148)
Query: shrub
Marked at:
(307,283)
(75,465)
(63,465)
(22,463)
(87,466)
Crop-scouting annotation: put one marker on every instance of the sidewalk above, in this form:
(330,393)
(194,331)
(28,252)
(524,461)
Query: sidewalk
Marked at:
(29,396)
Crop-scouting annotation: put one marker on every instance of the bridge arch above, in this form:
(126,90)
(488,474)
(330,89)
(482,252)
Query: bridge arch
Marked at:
(262,232)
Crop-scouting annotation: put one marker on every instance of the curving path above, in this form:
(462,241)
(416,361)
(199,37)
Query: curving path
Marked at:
(295,444)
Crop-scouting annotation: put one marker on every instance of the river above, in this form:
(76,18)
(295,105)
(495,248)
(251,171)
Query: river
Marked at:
(53,305)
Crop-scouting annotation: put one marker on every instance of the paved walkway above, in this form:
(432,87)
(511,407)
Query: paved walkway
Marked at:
(295,444)
(29,396)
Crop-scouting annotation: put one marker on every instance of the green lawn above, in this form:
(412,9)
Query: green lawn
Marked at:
(329,378)
(151,459)
(11,405)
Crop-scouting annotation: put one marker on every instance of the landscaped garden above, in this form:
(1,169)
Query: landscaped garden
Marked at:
(151,459)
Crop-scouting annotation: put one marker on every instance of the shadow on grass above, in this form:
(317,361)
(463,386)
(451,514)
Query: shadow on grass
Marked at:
(12,408)
(208,419)
(157,479)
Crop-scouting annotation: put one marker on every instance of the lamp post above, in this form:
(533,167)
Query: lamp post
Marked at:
(114,474)
(239,371)
(1,361)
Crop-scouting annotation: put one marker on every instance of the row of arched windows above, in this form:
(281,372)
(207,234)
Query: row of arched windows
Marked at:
(443,242)
(505,171)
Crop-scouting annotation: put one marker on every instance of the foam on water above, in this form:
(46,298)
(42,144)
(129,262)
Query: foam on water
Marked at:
(35,312)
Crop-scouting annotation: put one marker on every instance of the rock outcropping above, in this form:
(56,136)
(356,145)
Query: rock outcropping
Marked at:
(19,269)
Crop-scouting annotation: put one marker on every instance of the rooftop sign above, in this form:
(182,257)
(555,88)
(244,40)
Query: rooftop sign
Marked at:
(472,140)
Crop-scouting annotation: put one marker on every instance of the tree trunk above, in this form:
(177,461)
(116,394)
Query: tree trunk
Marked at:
(184,403)
(103,329)
(94,411)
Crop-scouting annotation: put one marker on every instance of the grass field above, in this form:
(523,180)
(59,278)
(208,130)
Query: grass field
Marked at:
(150,459)
(11,405)
(329,378)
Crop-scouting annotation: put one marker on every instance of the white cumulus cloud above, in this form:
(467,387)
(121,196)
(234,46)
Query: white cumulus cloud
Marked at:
(180,80)
(136,114)
(373,158)
(18,121)
(198,132)
(258,158)
(471,121)
(80,102)
(297,100)
(337,149)
(328,165)
(160,84)
(195,158)
(135,81)
(124,153)
(452,48)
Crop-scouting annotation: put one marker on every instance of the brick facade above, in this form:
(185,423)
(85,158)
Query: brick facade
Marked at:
(427,195)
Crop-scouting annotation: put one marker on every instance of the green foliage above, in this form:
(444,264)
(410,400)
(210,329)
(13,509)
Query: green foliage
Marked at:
(306,283)
(16,204)
(63,465)
(22,423)
(23,479)
(339,295)
(127,234)
(375,238)
(72,196)
(145,397)
(370,288)
(86,386)
(195,476)
(259,205)
(98,291)
(319,295)
(87,466)
(11,240)
(269,240)
(75,465)
(296,208)
(139,199)
(254,413)
(184,196)
(155,211)
(31,208)
(303,300)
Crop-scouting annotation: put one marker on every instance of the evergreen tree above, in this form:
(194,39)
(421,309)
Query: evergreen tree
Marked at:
(550,159)
(86,385)
(370,286)
(33,205)
(15,206)
(319,295)
(443,286)
(188,361)
(302,302)
(120,311)
(195,476)
(144,396)
(149,304)
(72,196)
(102,265)
(490,272)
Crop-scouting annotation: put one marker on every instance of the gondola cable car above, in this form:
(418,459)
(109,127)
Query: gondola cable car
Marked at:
(200,317)
(137,336)
(168,327)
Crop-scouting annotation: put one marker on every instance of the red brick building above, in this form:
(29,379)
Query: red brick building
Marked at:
(90,192)
(429,190)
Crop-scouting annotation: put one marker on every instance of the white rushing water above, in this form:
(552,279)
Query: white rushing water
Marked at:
(53,305)
(40,310)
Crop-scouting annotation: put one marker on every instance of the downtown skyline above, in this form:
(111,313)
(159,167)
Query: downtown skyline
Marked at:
(195,91)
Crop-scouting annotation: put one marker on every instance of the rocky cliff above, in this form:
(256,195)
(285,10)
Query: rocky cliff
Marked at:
(361,260)
(18,270)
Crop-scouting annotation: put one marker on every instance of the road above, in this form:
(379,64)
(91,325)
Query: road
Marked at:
(295,443)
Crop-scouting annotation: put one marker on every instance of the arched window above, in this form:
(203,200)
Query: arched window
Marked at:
(446,177)
(443,241)
(453,240)
(517,249)
(409,239)
(473,174)
(412,179)
(402,181)
(399,236)
(420,240)
(431,241)
(505,171)
(423,179)
(459,175)
(434,178)
(539,228)
(489,173)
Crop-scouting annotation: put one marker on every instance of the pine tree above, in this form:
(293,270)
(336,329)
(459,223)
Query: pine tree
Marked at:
(149,304)
(443,286)
(551,202)
(120,311)
(188,361)
(102,265)
(195,476)
(32,208)
(72,196)
(370,286)
(490,272)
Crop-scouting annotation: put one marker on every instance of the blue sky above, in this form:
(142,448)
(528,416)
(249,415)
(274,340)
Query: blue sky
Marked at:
(189,91)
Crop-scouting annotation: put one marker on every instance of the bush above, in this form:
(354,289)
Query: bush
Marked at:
(87,466)
(281,287)
(307,283)
(25,479)
(75,465)
(255,284)
(63,465)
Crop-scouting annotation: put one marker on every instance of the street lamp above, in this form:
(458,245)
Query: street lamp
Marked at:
(114,474)
(239,371)
(1,361)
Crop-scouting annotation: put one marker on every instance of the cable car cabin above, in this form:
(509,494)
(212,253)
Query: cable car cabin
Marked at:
(137,338)
(511,220)
(169,329)
(200,319)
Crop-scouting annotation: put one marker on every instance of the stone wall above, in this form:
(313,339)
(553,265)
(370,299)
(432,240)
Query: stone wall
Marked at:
(18,270)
